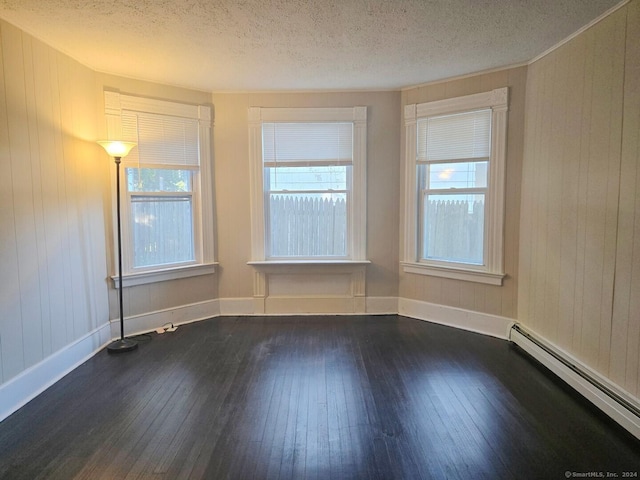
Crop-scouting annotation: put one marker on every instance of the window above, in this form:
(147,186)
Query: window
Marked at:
(455,187)
(308,183)
(161,222)
(167,230)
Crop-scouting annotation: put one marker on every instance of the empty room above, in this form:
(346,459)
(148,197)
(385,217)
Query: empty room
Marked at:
(294,239)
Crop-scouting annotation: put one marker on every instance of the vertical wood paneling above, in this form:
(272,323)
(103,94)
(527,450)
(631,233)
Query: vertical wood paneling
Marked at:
(625,335)
(7,239)
(32,322)
(94,171)
(515,125)
(555,180)
(615,76)
(10,338)
(68,169)
(526,201)
(50,266)
(592,208)
(57,236)
(54,289)
(40,181)
(539,245)
(631,147)
(569,199)
(13,334)
(582,175)
(576,214)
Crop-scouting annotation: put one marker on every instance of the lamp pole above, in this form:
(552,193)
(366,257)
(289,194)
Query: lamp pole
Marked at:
(118,150)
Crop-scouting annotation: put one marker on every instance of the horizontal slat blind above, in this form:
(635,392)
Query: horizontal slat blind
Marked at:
(161,139)
(459,136)
(305,144)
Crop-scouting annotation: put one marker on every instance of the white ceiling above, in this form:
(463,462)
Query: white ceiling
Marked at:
(249,45)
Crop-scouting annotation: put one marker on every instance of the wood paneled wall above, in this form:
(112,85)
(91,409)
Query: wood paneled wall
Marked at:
(52,250)
(580,229)
(495,300)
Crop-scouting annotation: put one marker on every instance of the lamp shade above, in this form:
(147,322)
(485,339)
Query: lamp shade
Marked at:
(117,148)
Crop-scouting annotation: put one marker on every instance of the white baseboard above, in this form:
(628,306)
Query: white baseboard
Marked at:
(247,307)
(382,305)
(148,322)
(484,323)
(319,305)
(237,306)
(36,379)
(605,402)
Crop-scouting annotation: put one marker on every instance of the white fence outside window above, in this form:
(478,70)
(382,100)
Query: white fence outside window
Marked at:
(454,231)
(307,226)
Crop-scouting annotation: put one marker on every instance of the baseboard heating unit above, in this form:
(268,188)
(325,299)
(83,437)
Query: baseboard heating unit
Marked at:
(619,405)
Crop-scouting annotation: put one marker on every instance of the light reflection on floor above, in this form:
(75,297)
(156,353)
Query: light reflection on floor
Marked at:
(304,403)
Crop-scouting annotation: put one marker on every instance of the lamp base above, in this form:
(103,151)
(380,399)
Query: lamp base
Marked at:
(122,345)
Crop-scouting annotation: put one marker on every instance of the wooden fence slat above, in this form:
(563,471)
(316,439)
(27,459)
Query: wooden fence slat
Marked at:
(307,226)
(453,230)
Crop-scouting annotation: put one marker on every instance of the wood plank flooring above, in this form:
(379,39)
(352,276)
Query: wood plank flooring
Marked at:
(370,397)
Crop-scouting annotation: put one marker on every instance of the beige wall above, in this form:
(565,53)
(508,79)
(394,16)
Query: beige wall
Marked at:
(232,183)
(580,248)
(149,298)
(52,235)
(496,300)
(234,278)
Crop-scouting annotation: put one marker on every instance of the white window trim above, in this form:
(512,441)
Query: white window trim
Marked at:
(261,263)
(204,264)
(358,218)
(171,273)
(492,272)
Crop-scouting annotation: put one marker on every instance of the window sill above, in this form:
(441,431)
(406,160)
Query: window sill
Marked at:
(269,263)
(141,278)
(453,273)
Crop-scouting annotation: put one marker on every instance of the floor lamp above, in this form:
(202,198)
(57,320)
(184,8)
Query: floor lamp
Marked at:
(118,150)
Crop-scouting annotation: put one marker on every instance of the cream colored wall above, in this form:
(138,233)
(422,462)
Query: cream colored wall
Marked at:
(52,249)
(234,278)
(232,183)
(165,295)
(496,300)
(580,232)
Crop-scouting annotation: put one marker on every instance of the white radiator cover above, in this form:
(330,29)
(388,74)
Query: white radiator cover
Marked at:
(621,406)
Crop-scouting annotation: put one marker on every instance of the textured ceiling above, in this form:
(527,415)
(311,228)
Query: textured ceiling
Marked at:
(249,45)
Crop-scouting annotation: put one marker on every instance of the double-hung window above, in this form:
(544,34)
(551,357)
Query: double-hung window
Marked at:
(308,180)
(455,187)
(166,215)
(307,183)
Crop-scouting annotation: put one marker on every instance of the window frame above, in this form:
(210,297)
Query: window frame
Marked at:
(492,270)
(201,190)
(356,210)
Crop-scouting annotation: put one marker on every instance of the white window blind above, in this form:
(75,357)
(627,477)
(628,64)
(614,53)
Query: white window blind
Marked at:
(452,137)
(162,139)
(307,144)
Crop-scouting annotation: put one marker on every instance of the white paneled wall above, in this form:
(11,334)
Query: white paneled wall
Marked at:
(52,183)
(624,365)
(580,222)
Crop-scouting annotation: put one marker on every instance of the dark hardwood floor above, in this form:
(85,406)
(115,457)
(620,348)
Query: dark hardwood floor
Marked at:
(381,397)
